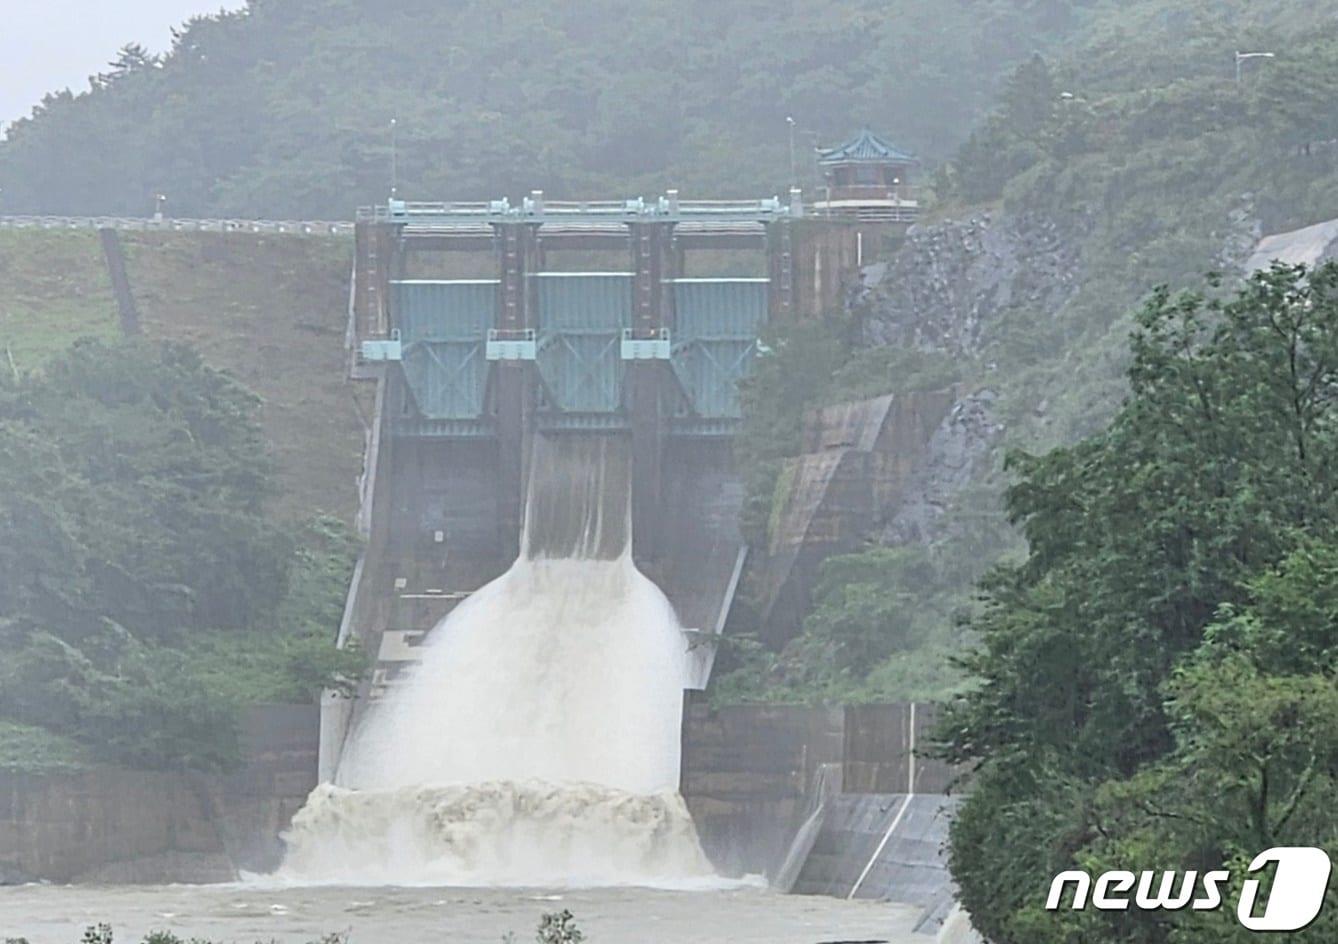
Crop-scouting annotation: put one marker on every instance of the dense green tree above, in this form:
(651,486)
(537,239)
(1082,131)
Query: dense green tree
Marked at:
(1012,139)
(284,108)
(145,593)
(1135,700)
(167,475)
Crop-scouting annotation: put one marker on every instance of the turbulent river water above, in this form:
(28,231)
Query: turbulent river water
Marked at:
(244,914)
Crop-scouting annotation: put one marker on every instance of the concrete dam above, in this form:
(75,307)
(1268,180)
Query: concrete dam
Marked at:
(491,329)
(549,503)
(551,508)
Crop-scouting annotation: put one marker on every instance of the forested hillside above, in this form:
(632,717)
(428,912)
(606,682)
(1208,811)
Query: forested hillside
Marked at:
(1098,177)
(146,592)
(1150,679)
(284,108)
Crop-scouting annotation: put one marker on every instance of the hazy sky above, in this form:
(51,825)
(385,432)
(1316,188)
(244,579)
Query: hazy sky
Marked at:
(53,44)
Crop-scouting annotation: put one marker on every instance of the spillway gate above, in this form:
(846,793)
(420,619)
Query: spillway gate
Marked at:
(641,346)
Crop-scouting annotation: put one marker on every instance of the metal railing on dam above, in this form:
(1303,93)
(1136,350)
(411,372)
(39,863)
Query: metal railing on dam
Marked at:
(535,208)
(531,209)
(174,225)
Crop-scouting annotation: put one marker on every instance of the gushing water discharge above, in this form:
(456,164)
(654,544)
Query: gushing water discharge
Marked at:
(537,741)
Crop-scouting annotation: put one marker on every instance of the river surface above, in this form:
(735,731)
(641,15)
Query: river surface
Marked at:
(244,914)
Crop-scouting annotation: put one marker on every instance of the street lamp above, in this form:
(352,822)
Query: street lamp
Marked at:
(790,121)
(1242,56)
(159,201)
(394,160)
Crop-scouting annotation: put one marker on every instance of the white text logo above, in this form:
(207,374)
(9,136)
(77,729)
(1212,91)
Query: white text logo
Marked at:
(1294,901)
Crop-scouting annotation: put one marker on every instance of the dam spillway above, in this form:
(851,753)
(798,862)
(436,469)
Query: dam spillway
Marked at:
(567,668)
(536,741)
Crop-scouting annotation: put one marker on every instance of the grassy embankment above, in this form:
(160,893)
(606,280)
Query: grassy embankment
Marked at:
(269,312)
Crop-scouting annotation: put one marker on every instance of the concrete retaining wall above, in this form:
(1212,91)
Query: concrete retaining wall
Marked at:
(890,847)
(746,774)
(108,825)
(853,476)
(885,750)
(750,773)
(113,825)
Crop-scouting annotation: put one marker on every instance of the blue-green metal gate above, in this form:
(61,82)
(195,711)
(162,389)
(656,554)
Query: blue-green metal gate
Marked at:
(443,327)
(581,318)
(716,324)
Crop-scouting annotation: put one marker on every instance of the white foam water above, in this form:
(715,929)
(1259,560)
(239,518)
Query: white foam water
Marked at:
(506,833)
(537,743)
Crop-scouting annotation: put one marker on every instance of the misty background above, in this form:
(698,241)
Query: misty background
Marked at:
(57,45)
(1118,620)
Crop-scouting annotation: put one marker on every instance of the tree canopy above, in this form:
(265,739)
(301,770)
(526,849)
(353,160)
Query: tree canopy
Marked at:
(137,561)
(1154,687)
(284,108)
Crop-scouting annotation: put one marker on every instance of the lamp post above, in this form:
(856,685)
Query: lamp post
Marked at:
(1242,56)
(789,120)
(394,159)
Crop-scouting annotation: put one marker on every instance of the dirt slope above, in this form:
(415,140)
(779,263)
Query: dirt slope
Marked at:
(270,310)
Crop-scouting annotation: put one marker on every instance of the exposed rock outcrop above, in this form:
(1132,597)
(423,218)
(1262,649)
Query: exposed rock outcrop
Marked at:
(889,470)
(949,280)
(958,452)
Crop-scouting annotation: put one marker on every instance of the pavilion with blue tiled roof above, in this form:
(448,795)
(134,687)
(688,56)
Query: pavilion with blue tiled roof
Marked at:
(866,178)
(865,148)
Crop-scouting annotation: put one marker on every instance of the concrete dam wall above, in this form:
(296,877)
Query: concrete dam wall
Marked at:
(823,800)
(477,377)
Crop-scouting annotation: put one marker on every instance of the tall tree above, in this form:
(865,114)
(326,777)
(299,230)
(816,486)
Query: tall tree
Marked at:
(1095,679)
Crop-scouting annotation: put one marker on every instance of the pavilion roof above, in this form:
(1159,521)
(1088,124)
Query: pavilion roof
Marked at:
(865,147)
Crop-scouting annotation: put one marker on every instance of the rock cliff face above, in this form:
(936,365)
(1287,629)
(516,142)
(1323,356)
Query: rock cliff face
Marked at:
(949,280)
(958,451)
(888,470)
